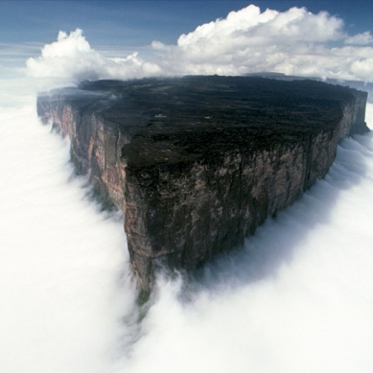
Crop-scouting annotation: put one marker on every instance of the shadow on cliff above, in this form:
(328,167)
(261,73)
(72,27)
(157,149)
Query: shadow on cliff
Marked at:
(276,242)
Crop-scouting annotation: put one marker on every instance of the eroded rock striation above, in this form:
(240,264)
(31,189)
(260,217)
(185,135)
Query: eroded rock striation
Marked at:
(197,163)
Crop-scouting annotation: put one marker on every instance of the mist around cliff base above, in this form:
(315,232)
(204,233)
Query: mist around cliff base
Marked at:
(297,297)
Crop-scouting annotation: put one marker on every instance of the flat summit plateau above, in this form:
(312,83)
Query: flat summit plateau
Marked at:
(197,163)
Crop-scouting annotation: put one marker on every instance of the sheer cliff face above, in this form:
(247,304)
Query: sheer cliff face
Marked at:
(193,190)
(95,145)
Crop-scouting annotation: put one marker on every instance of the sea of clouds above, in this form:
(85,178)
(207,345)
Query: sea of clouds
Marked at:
(298,297)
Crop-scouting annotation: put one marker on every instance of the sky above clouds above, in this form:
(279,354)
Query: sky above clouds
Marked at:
(134,39)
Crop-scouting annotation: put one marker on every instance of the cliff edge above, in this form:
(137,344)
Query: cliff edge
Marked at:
(197,163)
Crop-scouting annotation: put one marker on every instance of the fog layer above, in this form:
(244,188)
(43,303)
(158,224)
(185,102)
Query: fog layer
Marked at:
(297,297)
(64,282)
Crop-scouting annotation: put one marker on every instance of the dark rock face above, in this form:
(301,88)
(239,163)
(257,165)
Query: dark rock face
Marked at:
(197,163)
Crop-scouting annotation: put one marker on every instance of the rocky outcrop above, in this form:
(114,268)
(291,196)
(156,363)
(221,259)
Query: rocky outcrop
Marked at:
(198,163)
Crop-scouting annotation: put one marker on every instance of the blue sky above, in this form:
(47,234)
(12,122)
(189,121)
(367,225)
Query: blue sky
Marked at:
(138,23)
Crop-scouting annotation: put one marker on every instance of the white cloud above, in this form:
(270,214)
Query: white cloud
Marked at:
(250,41)
(360,39)
(70,59)
(298,292)
(294,42)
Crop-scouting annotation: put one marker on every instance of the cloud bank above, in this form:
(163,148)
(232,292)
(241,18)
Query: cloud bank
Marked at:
(296,298)
(70,59)
(294,42)
(61,272)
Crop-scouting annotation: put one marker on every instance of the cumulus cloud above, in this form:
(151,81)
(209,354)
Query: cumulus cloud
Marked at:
(294,42)
(71,59)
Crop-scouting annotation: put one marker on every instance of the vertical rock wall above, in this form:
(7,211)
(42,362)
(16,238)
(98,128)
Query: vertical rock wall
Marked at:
(95,145)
